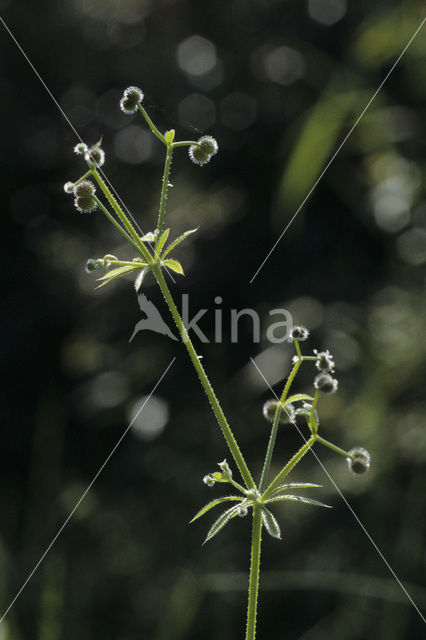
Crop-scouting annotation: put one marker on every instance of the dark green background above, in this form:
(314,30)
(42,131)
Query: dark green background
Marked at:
(283,92)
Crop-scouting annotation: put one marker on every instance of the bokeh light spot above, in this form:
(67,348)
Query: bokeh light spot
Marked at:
(196,55)
(149,416)
(327,12)
(133,144)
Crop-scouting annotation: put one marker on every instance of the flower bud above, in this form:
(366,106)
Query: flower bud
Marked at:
(325,362)
(92,265)
(85,204)
(209,480)
(130,100)
(80,148)
(226,469)
(359,462)
(206,149)
(242,511)
(84,189)
(325,383)
(69,187)
(95,157)
(287,414)
(299,333)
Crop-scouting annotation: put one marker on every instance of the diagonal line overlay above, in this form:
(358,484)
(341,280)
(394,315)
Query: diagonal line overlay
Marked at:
(101,171)
(357,121)
(82,497)
(345,501)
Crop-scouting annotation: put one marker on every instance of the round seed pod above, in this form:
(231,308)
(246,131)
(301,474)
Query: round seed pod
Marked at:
(299,333)
(359,462)
(85,204)
(80,148)
(206,149)
(95,157)
(287,413)
(84,189)
(130,100)
(69,187)
(325,383)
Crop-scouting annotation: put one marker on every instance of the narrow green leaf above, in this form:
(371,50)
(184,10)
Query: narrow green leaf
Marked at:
(298,396)
(117,273)
(161,242)
(221,522)
(271,524)
(174,265)
(299,499)
(292,485)
(212,504)
(178,241)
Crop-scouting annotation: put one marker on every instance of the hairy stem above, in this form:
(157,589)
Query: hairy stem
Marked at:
(164,190)
(115,223)
(217,409)
(124,219)
(151,125)
(333,447)
(256,542)
(289,466)
(185,143)
(275,425)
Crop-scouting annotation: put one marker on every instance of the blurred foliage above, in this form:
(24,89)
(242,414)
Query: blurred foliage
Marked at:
(279,84)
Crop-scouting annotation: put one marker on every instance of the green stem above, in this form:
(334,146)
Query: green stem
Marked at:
(126,263)
(333,447)
(275,425)
(217,409)
(185,143)
(124,219)
(115,223)
(256,541)
(289,466)
(151,125)
(164,190)
(86,175)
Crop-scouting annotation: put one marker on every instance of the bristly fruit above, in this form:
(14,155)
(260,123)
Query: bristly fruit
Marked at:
(287,414)
(85,204)
(132,97)
(80,148)
(203,152)
(84,189)
(359,460)
(325,383)
(95,157)
(299,333)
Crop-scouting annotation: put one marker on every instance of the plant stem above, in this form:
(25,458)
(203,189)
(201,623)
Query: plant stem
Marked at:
(185,143)
(256,541)
(151,125)
(275,425)
(164,189)
(124,219)
(86,175)
(289,466)
(115,223)
(217,409)
(333,447)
